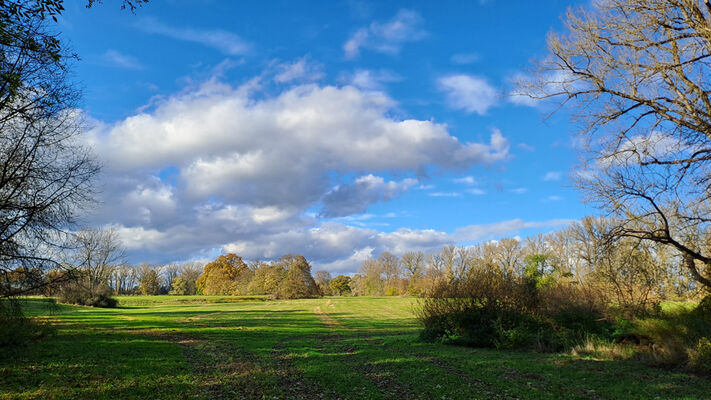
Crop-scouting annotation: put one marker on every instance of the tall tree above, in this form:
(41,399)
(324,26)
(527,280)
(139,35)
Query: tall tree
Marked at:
(45,173)
(298,282)
(636,74)
(221,276)
(341,285)
(323,278)
(97,253)
(150,283)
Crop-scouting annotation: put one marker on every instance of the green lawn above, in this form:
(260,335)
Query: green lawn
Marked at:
(352,348)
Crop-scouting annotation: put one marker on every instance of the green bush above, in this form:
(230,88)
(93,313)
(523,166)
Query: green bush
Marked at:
(489,310)
(79,292)
(700,357)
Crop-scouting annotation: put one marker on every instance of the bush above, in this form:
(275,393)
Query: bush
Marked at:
(79,292)
(489,310)
(673,337)
(700,357)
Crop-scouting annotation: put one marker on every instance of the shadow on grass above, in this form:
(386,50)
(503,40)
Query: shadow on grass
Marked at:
(108,354)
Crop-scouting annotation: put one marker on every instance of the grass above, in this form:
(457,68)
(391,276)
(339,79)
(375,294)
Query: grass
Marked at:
(166,347)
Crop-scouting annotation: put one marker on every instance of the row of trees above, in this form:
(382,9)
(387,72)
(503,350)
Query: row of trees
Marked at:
(631,271)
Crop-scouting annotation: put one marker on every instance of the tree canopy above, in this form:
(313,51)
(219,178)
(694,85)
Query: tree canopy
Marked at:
(220,277)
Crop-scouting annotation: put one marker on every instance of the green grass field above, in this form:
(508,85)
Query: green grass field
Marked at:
(351,348)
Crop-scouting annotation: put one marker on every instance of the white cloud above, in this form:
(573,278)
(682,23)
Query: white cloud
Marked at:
(354,198)
(386,37)
(218,167)
(467,180)
(118,60)
(643,148)
(552,176)
(444,194)
(468,93)
(224,41)
(278,151)
(301,69)
(371,80)
(526,146)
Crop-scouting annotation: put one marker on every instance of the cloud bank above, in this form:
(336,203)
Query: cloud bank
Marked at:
(232,168)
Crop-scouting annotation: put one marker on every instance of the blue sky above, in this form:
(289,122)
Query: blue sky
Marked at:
(337,130)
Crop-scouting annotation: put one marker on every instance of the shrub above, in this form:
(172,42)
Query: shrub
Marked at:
(673,337)
(700,357)
(490,310)
(179,287)
(81,293)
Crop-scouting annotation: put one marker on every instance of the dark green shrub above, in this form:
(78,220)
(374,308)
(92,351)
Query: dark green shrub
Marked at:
(79,292)
(489,310)
(700,357)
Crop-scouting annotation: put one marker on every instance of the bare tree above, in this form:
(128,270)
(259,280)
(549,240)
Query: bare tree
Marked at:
(390,266)
(97,252)
(508,254)
(370,282)
(413,262)
(45,174)
(170,272)
(435,267)
(636,75)
(124,277)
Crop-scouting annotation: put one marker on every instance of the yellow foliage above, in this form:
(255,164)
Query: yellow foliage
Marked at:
(221,276)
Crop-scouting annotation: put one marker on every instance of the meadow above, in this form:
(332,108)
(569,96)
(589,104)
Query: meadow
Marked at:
(201,347)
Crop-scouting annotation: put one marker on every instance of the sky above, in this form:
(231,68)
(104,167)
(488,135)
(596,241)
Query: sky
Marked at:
(333,129)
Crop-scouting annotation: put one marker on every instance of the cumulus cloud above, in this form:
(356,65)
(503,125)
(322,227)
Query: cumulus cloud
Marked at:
(221,168)
(278,151)
(226,42)
(469,93)
(355,197)
(386,37)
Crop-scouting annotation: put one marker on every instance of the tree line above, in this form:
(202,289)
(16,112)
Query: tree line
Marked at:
(632,272)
